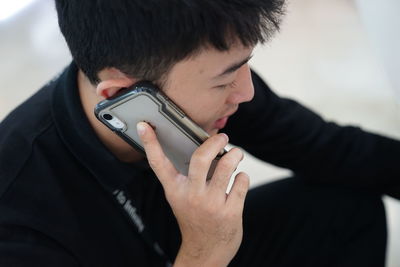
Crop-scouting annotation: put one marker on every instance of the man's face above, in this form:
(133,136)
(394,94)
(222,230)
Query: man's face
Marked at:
(209,86)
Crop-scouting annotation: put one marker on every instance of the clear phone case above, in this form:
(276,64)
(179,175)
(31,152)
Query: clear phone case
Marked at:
(178,135)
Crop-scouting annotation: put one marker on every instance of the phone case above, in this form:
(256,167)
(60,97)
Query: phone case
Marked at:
(177,134)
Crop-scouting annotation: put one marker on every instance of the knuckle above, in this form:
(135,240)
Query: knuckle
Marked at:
(242,186)
(152,162)
(241,193)
(246,180)
(200,159)
(197,153)
(212,210)
(225,163)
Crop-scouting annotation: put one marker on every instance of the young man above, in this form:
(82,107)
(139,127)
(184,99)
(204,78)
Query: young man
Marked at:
(72,193)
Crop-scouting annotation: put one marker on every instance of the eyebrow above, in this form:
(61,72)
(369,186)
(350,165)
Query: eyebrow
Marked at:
(233,67)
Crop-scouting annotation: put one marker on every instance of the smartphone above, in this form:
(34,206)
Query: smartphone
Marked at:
(177,134)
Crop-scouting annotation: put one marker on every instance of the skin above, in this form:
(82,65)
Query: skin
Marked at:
(209,219)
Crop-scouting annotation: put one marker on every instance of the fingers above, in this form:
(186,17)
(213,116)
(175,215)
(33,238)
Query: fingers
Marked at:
(203,156)
(160,164)
(199,165)
(239,191)
(224,170)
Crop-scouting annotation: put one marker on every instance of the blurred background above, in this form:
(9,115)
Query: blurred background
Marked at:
(338,57)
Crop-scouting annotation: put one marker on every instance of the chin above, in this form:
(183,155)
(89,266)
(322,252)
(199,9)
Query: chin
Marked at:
(213,132)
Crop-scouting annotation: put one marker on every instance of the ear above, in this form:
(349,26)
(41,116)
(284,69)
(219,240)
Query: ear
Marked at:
(112,80)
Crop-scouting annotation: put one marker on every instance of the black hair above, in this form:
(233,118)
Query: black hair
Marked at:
(145,38)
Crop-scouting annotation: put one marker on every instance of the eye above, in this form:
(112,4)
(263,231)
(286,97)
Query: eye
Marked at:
(224,86)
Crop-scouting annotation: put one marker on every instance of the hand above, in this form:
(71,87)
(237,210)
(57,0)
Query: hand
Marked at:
(210,221)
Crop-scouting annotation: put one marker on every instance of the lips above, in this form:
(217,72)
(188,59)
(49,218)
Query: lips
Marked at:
(220,123)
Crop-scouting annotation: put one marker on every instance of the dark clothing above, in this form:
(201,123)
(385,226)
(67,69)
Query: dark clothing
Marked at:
(290,223)
(57,179)
(289,135)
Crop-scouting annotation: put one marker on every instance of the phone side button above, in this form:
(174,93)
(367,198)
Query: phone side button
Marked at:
(177,110)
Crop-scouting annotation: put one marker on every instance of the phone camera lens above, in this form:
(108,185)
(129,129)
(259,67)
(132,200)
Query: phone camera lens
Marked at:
(107,116)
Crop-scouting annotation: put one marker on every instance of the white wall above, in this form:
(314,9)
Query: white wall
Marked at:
(382,23)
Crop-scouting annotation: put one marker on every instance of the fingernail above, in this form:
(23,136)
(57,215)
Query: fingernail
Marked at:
(226,137)
(141,129)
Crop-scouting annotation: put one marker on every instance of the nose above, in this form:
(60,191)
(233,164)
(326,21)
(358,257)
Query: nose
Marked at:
(244,89)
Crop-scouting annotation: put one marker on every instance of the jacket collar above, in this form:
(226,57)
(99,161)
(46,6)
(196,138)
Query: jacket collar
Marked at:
(78,135)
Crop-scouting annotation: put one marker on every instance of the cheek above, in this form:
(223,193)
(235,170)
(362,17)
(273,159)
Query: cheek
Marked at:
(203,108)
(201,114)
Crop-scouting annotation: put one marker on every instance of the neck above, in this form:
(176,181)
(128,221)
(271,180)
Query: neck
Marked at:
(122,150)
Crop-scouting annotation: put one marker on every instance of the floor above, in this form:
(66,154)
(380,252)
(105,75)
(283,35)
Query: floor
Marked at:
(322,58)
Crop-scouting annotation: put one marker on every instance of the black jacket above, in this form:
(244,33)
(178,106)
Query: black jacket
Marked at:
(57,179)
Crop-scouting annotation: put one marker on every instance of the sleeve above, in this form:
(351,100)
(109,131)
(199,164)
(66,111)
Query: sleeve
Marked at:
(21,246)
(283,132)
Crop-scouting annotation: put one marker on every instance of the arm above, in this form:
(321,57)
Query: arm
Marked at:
(289,135)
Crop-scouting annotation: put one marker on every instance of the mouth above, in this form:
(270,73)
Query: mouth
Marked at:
(221,122)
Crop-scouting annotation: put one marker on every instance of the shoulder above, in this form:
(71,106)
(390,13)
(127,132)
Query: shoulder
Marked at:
(30,191)
(19,132)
